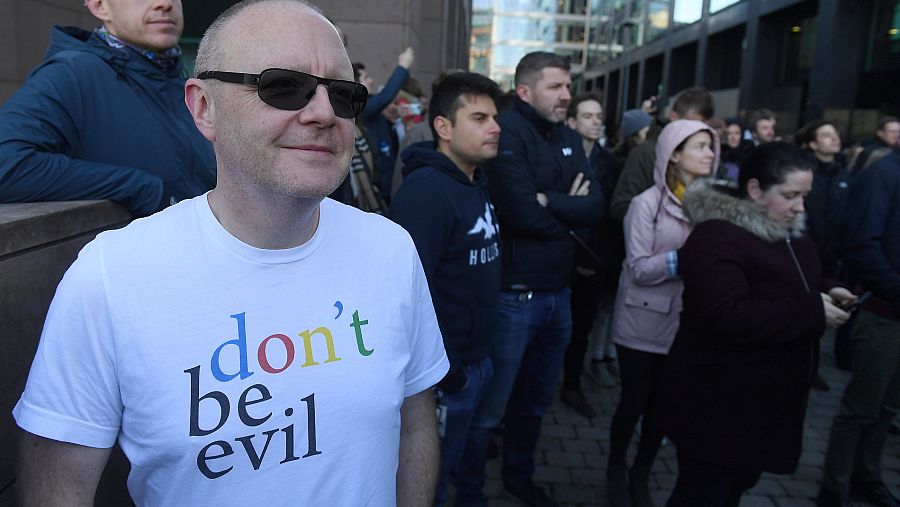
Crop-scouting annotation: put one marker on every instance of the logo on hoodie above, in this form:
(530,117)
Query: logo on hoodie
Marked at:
(485,224)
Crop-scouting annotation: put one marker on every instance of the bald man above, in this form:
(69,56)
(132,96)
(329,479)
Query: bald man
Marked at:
(103,116)
(233,343)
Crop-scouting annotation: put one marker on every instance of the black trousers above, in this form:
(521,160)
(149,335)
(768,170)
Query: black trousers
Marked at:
(641,374)
(703,484)
(586,294)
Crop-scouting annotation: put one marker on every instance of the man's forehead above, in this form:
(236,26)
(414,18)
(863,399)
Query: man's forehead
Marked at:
(477,104)
(550,75)
(590,106)
(295,37)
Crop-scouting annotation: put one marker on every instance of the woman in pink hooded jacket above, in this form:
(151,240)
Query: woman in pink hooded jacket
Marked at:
(648,301)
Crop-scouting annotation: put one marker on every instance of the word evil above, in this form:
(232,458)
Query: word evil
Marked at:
(259,393)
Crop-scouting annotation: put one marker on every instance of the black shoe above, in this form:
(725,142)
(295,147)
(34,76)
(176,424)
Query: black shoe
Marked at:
(820,384)
(617,486)
(529,494)
(876,494)
(578,402)
(828,499)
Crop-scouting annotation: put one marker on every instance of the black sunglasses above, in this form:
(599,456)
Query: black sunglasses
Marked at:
(292,90)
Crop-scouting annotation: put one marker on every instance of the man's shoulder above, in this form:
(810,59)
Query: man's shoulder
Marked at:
(360,227)
(143,234)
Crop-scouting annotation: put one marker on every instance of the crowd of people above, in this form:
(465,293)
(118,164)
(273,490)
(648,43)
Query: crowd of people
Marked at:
(694,260)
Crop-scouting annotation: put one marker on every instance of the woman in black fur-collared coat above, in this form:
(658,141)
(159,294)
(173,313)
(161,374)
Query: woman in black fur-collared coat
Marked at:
(737,379)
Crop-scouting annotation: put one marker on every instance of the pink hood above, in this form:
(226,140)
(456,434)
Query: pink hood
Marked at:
(669,139)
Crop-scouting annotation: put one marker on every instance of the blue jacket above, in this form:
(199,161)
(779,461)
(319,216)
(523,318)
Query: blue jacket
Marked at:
(872,240)
(452,222)
(538,156)
(94,122)
(384,141)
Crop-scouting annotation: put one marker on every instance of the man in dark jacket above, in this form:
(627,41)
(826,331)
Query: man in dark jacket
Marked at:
(375,117)
(543,189)
(825,205)
(443,203)
(596,259)
(872,398)
(103,116)
(887,138)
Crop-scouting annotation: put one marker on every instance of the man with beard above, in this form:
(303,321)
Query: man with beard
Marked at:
(543,188)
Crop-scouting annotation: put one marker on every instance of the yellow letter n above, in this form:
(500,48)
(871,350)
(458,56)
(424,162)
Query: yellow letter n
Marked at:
(307,346)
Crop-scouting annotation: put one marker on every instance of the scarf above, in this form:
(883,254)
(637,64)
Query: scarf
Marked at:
(165,60)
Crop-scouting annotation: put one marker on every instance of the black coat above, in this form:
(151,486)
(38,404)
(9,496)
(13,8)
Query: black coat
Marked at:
(825,211)
(538,156)
(737,378)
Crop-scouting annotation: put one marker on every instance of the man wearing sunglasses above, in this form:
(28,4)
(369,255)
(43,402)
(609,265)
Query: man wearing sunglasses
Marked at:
(102,117)
(234,343)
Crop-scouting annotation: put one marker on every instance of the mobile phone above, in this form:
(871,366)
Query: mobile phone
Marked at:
(859,301)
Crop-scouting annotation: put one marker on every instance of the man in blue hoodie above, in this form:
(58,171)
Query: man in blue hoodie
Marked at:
(444,205)
(103,116)
(543,189)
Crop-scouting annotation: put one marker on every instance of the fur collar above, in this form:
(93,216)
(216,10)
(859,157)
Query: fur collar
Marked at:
(709,199)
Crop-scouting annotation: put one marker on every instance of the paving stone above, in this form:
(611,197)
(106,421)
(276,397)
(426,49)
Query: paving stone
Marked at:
(558,431)
(756,501)
(552,474)
(800,489)
(571,444)
(769,487)
(565,459)
(578,496)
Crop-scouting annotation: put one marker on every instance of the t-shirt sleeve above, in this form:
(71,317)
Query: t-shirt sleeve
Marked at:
(72,393)
(428,361)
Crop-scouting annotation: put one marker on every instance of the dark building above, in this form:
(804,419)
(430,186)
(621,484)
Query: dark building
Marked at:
(803,59)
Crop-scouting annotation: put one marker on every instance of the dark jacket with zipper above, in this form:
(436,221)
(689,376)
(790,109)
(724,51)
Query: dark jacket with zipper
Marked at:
(737,379)
(872,241)
(95,122)
(452,222)
(538,156)
(825,211)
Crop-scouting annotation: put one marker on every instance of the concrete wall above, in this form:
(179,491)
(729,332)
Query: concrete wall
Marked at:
(38,242)
(25,33)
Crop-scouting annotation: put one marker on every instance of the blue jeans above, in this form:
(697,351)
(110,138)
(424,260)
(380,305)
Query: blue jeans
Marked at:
(460,409)
(533,332)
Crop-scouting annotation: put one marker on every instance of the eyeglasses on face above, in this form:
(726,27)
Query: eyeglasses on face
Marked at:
(291,90)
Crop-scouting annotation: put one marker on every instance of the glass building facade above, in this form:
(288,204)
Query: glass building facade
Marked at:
(804,59)
(503,31)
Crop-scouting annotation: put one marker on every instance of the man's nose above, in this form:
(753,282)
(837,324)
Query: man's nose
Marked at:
(319,109)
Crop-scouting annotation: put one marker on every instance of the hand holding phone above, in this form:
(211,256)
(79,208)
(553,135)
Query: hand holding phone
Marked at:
(859,301)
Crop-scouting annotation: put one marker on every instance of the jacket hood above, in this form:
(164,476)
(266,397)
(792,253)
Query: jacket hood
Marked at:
(708,199)
(71,38)
(669,139)
(425,154)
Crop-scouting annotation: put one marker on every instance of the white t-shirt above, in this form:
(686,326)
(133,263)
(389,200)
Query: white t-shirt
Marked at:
(233,375)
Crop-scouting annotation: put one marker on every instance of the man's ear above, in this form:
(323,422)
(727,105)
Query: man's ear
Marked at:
(198,99)
(444,128)
(753,189)
(570,122)
(523,92)
(99,9)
